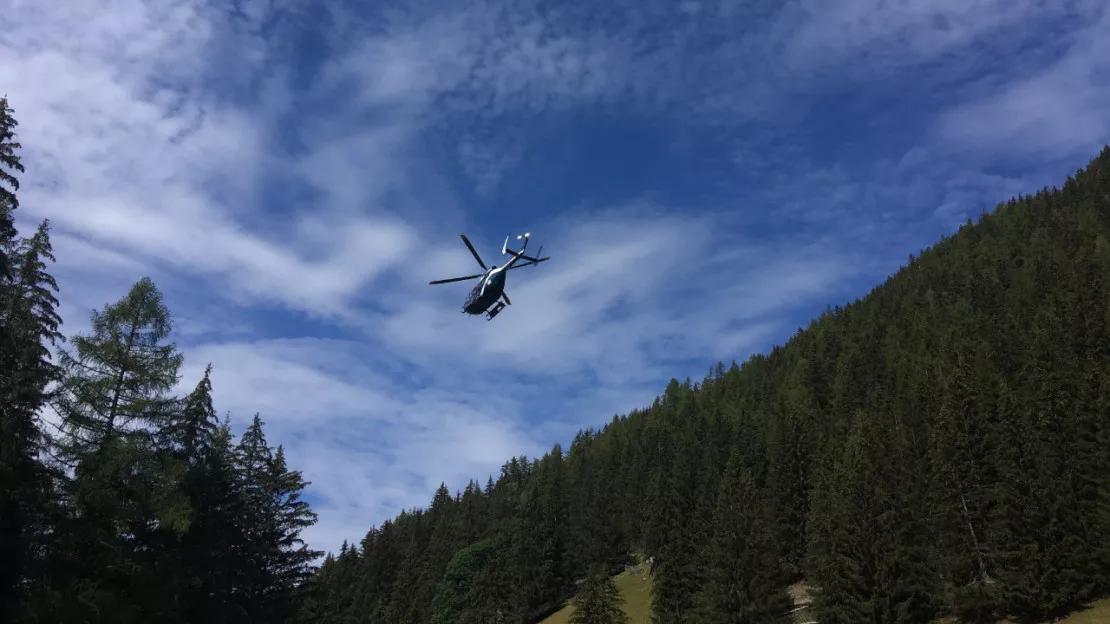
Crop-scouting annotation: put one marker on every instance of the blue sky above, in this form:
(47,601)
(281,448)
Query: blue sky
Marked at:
(707,176)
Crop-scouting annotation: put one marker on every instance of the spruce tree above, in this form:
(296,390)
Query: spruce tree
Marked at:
(10,162)
(273,517)
(790,442)
(598,600)
(869,548)
(28,324)
(676,544)
(208,558)
(745,579)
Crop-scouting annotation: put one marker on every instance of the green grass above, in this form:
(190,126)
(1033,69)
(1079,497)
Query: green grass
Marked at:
(635,588)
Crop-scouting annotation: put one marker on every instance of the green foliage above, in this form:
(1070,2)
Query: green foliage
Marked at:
(744,582)
(120,375)
(456,591)
(938,445)
(941,443)
(598,600)
(28,326)
(144,509)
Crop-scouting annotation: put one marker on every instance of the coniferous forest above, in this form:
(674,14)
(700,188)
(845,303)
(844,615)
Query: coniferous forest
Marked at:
(119,502)
(940,447)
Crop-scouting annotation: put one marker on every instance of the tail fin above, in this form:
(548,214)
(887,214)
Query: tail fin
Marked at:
(505,248)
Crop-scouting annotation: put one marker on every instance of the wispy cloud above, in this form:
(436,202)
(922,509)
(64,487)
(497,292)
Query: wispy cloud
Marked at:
(292,175)
(1056,112)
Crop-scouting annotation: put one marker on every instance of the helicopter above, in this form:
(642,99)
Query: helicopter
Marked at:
(490,290)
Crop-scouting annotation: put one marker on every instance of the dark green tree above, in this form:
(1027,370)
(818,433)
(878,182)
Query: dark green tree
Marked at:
(28,327)
(206,562)
(598,600)
(940,441)
(744,573)
(123,495)
(278,560)
(455,594)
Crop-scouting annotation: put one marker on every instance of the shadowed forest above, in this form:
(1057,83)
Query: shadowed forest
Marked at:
(938,448)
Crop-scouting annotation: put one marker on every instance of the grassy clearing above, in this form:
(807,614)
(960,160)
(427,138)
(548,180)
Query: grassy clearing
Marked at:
(635,588)
(1098,613)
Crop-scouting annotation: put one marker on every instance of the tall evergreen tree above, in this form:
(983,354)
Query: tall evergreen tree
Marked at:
(28,324)
(745,583)
(10,162)
(869,548)
(207,562)
(273,517)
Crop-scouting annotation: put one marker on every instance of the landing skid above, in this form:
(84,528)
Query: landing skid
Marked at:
(495,310)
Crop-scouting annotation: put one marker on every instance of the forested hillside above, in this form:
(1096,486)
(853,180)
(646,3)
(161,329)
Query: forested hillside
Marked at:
(130,505)
(940,446)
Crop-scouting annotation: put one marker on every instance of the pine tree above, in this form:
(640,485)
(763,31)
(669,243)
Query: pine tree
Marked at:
(676,544)
(598,600)
(443,542)
(790,447)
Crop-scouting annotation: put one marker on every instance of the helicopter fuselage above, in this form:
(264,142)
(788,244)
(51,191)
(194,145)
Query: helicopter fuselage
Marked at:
(486,292)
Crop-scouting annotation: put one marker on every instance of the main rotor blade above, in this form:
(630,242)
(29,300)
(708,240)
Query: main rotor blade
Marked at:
(456,279)
(506,297)
(471,248)
(517,266)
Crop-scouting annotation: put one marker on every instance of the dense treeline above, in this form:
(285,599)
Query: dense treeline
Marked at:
(940,446)
(127,504)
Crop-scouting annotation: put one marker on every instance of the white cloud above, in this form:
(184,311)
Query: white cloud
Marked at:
(123,146)
(368,448)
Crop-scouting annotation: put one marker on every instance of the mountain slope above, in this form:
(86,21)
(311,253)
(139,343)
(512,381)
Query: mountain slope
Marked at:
(938,446)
